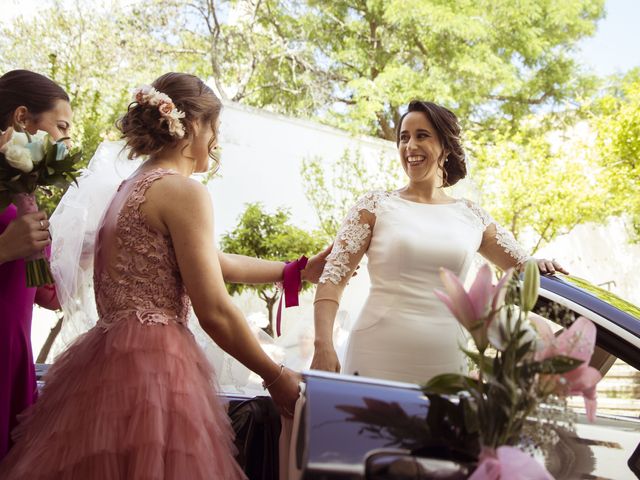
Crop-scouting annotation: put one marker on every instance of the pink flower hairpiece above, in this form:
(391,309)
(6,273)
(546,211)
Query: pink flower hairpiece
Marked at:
(147,95)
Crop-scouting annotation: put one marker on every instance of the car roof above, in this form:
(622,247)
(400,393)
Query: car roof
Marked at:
(596,299)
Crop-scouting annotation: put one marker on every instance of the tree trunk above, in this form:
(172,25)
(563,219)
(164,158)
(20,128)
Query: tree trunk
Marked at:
(270,301)
(46,347)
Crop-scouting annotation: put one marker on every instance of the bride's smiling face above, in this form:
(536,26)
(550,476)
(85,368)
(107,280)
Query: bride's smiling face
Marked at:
(420,148)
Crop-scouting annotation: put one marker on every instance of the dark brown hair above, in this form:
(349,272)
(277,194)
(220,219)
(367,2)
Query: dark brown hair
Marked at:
(446,124)
(23,88)
(142,127)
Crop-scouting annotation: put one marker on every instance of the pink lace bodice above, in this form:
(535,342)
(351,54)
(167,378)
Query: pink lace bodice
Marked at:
(135,270)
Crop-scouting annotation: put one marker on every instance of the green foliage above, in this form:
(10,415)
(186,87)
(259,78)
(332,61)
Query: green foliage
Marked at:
(539,186)
(332,191)
(269,237)
(254,51)
(488,60)
(505,68)
(355,63)
(617,123)
(96,56)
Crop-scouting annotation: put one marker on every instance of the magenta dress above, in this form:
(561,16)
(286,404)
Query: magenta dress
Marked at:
(134,397)
(17,374)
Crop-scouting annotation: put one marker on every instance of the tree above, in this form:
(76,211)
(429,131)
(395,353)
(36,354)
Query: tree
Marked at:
(356,63)
(617,123)
(254,50)
(488,60)
(333,191)
(539,186)
(270,237)
(96,56)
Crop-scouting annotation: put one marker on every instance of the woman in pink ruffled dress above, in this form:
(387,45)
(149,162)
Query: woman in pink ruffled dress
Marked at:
(28,102)
(134,397)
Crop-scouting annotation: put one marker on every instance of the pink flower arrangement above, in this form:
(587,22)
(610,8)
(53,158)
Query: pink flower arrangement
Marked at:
(476,309)
(169,114)
(576,342)
(526,366)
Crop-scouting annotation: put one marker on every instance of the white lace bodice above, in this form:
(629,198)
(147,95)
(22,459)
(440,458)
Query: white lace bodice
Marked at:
(462,223)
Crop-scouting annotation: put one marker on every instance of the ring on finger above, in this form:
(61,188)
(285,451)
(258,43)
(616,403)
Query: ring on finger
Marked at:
(42,225)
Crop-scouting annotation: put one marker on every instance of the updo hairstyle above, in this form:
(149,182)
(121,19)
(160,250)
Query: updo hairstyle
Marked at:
(143,127)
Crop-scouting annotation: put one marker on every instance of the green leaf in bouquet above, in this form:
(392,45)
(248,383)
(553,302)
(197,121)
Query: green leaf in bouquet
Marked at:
(57,180)
(449,384)
(51,171)
(63,165)
(523,350)
(554,365)
(499,387)
(476,358)
(50,155)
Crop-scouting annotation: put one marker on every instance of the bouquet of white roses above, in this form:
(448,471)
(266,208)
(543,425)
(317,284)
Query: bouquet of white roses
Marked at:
(27,163)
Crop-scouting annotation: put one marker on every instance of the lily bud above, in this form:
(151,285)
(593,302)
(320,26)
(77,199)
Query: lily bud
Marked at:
(530,285)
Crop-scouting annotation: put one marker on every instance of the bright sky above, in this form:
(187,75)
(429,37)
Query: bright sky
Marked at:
(613,48)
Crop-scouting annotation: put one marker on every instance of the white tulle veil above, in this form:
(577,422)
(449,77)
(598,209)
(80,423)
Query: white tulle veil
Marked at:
(73,229)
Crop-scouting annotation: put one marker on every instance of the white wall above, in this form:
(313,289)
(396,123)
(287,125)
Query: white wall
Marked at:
(262,154)
(601,253)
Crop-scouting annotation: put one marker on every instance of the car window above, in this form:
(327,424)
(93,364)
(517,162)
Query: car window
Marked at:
(619,389)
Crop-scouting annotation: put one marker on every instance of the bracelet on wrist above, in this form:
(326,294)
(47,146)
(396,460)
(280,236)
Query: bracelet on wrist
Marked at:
(264,384)
(326,299)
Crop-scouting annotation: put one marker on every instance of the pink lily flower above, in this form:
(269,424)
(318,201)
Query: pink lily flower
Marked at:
(475,309)
(577,342)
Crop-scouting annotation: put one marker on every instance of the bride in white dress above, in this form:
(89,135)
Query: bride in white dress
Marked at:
(404,332)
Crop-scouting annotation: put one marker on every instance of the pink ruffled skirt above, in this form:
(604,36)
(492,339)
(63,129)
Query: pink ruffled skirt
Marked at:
(134,402)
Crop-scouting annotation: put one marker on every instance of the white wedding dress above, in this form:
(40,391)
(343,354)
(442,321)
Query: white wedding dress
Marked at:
(404,332)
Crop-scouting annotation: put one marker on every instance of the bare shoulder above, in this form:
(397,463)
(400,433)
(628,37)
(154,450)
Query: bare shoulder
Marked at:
(177,188)
(173,195)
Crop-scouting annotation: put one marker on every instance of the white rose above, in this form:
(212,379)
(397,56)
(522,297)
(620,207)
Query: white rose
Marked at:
(19,157)
(40,135)
(19,139)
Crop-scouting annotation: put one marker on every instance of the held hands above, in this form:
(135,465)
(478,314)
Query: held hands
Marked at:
(24,236)
(315,266)
(325,358)
(285,391)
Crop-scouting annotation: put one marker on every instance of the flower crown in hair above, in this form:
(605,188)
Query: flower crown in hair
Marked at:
(147,95)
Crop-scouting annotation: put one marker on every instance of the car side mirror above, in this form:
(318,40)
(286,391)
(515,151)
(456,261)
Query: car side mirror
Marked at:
(400,464)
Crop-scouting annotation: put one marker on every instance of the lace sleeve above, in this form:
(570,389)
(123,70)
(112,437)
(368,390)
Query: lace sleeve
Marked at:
(352,239)
(498,244)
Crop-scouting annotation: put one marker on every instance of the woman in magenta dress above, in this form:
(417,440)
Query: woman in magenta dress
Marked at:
(31,102)
(135,397)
